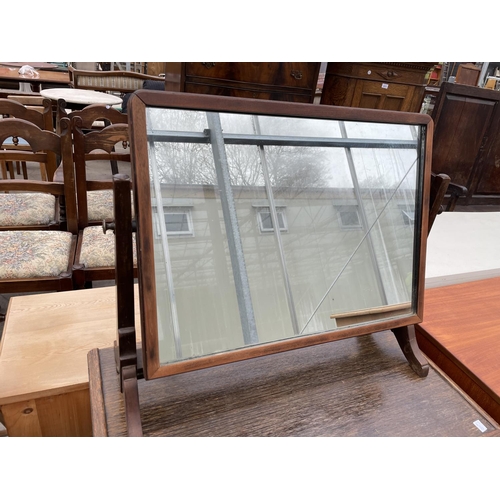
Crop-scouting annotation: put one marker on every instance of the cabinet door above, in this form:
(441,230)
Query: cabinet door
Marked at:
(489,181)
(382,95)
(461,123)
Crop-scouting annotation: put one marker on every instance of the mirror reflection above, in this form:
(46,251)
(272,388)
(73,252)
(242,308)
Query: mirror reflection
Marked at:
(266,228)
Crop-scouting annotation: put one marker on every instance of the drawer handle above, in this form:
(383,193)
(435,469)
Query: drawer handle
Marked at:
(388,74)
(296,74)
(208,65)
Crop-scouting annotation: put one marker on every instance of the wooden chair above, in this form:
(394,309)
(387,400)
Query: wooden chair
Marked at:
(38,115)
(95,253)
(40,206)
(93,117)
(121,82)
(32,259)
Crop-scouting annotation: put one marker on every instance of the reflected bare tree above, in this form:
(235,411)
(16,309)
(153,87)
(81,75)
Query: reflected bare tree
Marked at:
(192,163)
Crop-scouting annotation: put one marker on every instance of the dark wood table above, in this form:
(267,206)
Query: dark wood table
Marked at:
(356,387)
(461,334)
(36,65)
(44,76)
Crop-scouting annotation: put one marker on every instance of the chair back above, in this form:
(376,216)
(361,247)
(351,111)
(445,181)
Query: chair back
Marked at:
(97,145)
(43,147)
(92,114)
(34,146)
(41,118)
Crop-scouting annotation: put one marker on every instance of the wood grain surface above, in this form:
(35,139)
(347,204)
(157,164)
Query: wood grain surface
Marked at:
(355,387)
(46,339)
(461,334)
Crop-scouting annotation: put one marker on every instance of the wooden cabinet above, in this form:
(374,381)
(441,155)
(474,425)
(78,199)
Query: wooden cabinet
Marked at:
(467,140)
(285,81)
(391,86)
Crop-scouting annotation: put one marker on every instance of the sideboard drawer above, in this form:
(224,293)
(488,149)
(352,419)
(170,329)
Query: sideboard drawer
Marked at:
(288,74)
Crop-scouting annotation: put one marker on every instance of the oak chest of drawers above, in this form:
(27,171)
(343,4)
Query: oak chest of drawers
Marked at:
(391,86)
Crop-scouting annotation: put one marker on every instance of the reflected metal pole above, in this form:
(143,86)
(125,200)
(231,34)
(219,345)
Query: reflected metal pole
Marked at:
(362,211)
(277,233)
(166,253)
(235,245)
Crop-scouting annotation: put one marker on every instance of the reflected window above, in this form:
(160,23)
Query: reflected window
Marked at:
(349,216)
(178,221)
(408,214)
(265,220)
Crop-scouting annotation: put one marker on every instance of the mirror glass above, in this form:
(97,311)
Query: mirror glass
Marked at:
(267,228)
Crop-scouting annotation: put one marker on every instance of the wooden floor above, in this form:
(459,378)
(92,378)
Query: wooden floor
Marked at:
(356,387)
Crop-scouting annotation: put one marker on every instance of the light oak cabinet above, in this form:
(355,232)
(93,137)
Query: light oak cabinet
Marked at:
(390,86)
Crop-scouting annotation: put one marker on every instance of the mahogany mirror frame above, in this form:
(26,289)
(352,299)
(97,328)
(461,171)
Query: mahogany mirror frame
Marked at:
(137,105)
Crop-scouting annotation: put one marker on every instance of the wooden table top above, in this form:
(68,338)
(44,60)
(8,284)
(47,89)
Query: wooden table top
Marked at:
(81,96)
(355,387)
(462,322)
(46,339)
(44,76)
(36,65)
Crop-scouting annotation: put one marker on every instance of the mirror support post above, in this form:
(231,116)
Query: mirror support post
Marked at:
(407,340)
(125,344)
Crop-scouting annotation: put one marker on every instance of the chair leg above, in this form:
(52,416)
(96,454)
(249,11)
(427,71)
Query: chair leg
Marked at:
(78,276)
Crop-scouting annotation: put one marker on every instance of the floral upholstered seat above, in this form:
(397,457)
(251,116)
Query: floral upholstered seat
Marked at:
(27,209)
(100,205)
(34,254)
(98,249)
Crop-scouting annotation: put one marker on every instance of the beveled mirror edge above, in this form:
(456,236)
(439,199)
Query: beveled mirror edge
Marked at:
(140,174)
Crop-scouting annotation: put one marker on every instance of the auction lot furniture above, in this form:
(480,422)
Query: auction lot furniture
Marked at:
(221,178)
(466,143)
(109,81)
(79,96)
(287,81)
(396,86)
(43,76)
(358,387)
(460,333)
(43,359)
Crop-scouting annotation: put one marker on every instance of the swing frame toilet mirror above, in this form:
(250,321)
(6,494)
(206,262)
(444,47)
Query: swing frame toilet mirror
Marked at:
(214,176)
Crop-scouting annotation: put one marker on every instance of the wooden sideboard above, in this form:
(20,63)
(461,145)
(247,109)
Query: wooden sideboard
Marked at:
(285,81)
(391,86)
(466,142)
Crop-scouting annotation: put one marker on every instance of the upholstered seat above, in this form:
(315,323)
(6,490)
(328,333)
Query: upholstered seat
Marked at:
(34,254)
(100,205)
(98,249)
(27,209)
